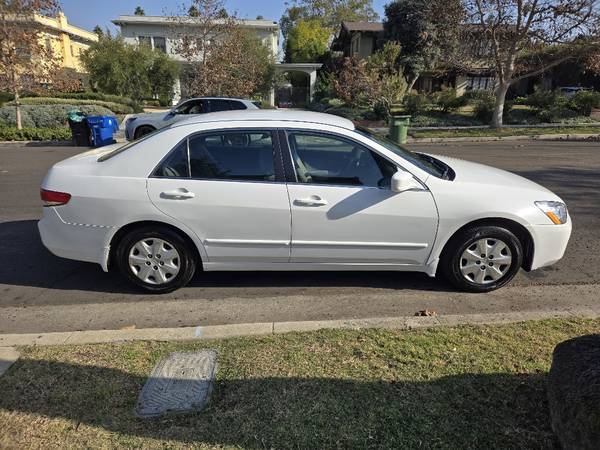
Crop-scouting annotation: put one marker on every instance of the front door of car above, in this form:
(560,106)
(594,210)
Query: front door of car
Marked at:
(343,210)
(228,188)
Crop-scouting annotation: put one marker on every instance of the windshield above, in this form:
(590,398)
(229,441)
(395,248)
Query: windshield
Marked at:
(424,162)
(127,146)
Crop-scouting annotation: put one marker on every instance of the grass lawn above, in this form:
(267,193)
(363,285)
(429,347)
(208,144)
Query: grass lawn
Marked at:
(504,132)
(463,387)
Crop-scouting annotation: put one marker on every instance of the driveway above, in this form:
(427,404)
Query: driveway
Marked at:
(40,292)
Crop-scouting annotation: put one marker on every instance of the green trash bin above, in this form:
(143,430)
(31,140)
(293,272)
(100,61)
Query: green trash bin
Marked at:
(399,128)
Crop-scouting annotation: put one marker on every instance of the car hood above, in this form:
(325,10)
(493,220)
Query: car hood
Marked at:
(481,175)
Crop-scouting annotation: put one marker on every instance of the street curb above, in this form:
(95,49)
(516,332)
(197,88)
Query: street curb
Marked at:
(535,137)
(270,328)
(8,356)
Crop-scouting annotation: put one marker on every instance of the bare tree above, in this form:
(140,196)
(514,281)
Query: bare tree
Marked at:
(528,37)
(27,60)
(222,58)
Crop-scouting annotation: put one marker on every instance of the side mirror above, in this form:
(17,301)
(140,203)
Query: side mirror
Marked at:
(402,181)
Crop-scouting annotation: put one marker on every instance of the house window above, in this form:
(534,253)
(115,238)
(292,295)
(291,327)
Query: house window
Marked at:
(48,45)
(355,45)
(479,83)
(160,43)
(145,40)
(155,42)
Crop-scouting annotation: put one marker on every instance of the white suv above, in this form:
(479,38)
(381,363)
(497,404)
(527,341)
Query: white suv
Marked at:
(139,125)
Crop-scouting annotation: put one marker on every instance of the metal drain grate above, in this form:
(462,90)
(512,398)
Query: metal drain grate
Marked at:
(179,383)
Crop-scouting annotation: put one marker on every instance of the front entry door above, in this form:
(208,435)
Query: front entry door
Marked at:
(343,210)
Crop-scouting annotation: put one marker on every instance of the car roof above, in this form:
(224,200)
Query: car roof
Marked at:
(267,115)
(216,98)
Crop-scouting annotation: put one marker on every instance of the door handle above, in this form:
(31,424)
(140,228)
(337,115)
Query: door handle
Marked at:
(177,194)
(313,200)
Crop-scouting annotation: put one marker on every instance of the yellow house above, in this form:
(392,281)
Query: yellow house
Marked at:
(65,39)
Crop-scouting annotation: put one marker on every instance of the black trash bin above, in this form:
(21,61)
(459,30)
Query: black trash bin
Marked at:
(80,129)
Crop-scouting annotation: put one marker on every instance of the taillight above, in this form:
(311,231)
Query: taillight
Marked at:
(53,198)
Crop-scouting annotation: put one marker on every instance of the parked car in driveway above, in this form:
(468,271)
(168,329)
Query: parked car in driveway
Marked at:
(138,125)
(290,190)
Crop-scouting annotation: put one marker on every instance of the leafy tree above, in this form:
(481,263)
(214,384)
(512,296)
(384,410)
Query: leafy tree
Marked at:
(307,41)
(222,58)
(260,17)
(193,11)
(98,30)
(330,14)
(27,61)
(425,29)
(528,37)
(139,11)
(374,82)
(137,72)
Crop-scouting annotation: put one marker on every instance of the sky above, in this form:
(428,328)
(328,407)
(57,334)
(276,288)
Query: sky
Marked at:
(87,14)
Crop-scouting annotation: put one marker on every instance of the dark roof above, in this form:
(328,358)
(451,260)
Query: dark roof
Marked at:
(363,26)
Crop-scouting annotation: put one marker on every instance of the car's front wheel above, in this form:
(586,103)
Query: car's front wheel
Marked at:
(482,258)
(157,260)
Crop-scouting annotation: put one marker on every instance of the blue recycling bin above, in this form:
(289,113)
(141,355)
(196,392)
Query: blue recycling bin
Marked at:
(102,129)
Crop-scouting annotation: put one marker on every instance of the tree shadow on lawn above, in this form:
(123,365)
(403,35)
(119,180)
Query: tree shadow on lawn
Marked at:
(460,411)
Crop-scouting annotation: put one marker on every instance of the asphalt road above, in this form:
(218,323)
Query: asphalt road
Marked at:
(40,292)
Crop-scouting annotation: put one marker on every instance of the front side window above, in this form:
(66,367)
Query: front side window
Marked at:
(325,159)
(192,107)
(232,156)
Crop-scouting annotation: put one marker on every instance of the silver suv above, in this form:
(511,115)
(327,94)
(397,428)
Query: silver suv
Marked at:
(138,125)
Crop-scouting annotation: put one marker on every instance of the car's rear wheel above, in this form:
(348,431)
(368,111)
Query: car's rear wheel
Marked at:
(157,260)
(482,258)
(143,131)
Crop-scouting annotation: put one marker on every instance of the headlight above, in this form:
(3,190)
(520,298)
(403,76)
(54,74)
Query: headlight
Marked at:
(556,211)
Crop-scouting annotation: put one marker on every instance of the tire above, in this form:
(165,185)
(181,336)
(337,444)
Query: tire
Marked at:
(143,131)
(462,261)
(155,272)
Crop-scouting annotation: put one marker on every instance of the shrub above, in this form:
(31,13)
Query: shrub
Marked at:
(34,134)
(47,116)
(584,101)
(349,112)
(555,114)
(117,108)
(102,97)
(416,103)
(447,100)
(545,99)
(5,97)
(484,107)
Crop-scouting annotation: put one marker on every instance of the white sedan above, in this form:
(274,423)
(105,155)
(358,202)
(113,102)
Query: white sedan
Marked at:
(282,190)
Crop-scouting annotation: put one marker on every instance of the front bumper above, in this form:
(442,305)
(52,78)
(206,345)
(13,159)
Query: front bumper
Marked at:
(549,243)
(82,242)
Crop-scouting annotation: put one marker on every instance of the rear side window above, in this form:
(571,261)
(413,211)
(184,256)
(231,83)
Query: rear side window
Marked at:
(232,156)
(176,164)
(219,105)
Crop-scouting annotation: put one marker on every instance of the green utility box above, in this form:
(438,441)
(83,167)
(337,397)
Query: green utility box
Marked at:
(399,128)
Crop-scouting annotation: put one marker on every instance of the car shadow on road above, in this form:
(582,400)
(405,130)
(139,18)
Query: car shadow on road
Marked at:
(95,406)
(31,264)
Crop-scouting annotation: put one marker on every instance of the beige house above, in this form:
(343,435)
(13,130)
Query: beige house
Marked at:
(65,40)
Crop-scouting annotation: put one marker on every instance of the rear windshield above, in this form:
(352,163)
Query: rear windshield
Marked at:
(127,146)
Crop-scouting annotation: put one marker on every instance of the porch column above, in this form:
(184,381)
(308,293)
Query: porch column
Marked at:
(312,83)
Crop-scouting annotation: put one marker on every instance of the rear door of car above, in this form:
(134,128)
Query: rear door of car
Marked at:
(228,186)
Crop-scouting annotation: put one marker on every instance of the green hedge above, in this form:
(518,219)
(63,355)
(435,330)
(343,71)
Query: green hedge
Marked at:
(117,108)
(47,116)
(101,97)
(34,134)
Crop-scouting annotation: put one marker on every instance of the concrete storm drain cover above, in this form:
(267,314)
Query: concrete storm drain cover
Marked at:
(179,383)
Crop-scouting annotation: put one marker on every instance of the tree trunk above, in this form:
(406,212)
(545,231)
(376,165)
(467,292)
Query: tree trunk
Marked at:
(18,110)
(497,118)
(411,83)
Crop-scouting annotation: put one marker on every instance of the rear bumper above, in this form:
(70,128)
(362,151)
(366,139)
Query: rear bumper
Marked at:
(82,242)
(549,243)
